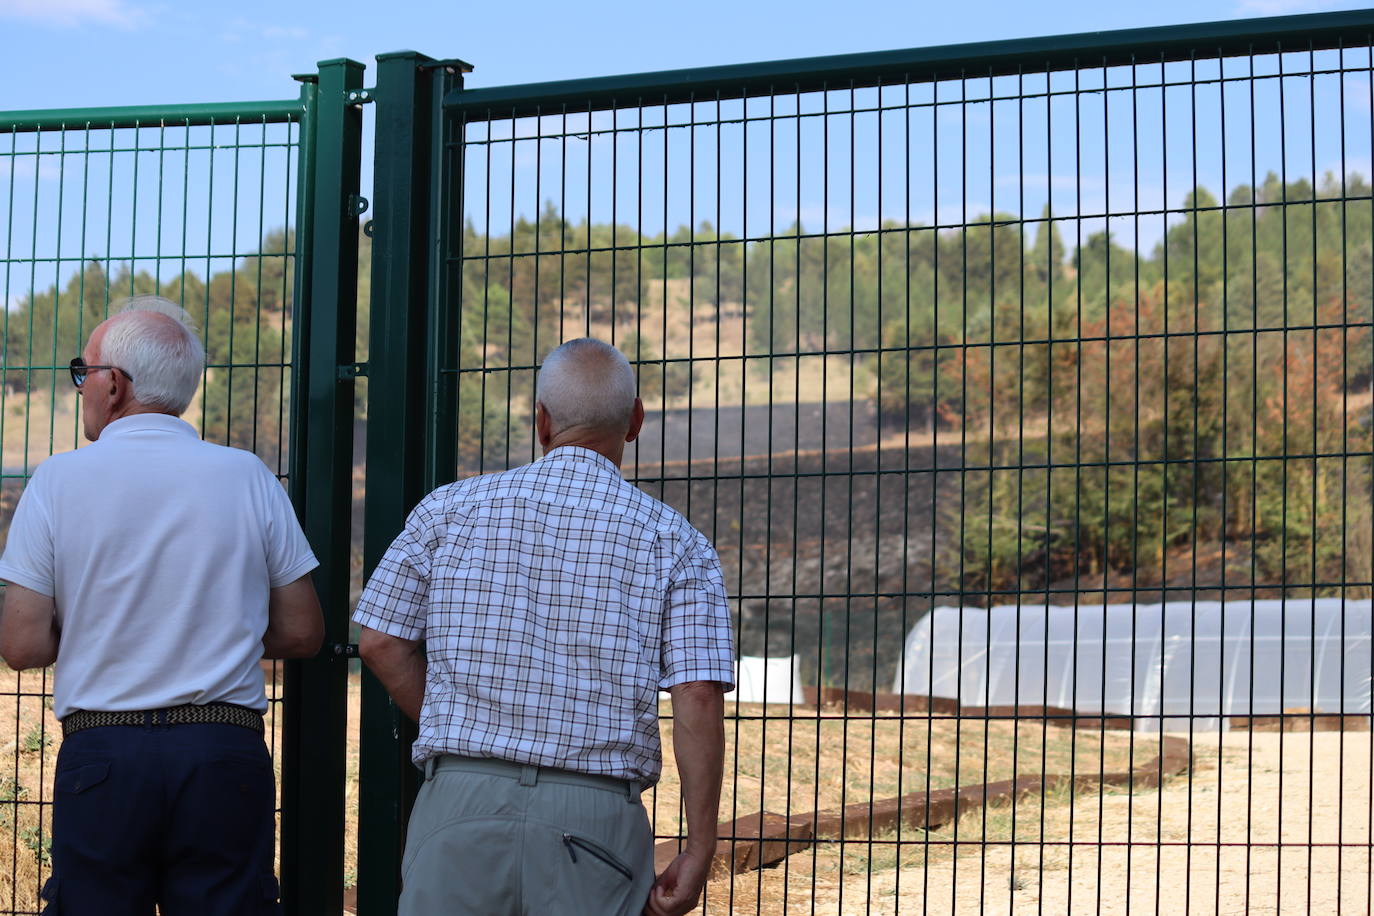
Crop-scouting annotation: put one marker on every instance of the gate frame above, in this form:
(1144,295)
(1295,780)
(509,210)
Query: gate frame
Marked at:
(417,296)
(401,357)
(319,470)
(315,726)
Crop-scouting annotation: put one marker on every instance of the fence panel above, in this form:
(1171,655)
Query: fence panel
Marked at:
(1070,338)
(194,203)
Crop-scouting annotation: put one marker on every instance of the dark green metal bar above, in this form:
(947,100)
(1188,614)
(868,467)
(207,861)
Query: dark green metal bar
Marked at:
(401,264)
(312,832)
(273,112)
(293,716)
(994,58)
(444,291)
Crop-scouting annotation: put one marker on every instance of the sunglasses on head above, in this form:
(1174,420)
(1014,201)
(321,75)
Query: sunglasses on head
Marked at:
(80,370)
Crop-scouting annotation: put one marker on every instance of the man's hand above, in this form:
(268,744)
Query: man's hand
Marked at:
(678,889)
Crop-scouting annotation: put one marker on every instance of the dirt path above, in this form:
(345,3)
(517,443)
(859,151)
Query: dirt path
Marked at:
(1308,792)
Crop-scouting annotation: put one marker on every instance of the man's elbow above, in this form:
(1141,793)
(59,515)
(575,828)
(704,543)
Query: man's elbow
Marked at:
(307,645)
(23,658)
(303,641)
(307,642)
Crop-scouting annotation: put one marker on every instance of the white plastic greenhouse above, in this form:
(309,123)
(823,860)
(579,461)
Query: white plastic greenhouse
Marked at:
(1165,663)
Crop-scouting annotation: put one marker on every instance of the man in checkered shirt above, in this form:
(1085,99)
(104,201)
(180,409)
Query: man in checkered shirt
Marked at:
(527,620)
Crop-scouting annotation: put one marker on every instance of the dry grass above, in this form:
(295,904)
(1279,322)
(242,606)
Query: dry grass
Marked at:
(1068,851)
(27,755)
(795,766)
(775,768)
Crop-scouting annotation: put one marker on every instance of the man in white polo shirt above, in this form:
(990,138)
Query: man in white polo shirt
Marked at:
(155,570)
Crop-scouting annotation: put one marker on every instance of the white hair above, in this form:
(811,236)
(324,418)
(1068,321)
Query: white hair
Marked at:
(589,384)
(164,357)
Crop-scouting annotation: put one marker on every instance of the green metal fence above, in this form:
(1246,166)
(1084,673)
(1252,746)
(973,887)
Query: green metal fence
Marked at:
(1065,332)
(1079,322)
(238,213)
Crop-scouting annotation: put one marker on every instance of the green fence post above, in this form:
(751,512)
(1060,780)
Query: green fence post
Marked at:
(445,275)
(396,426)
(316,709)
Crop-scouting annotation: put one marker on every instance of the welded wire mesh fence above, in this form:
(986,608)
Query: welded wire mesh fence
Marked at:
(97,207)
(1059,324)
(1025,390)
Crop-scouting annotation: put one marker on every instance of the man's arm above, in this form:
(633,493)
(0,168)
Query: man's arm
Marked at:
(295,624)
(699,748)
(28,629)
(399,664)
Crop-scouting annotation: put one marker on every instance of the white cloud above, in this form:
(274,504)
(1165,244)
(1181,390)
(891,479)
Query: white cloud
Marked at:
(22,167)
(239,29)
(73,13)
(278,32)
(1058,182)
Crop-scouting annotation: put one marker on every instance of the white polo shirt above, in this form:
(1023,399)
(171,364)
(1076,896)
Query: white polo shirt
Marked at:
(160,551)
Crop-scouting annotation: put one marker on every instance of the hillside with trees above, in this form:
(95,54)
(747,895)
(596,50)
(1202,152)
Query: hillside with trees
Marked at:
(1113,411)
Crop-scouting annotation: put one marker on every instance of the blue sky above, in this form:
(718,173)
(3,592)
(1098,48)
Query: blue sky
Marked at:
(63,53)
(80,53)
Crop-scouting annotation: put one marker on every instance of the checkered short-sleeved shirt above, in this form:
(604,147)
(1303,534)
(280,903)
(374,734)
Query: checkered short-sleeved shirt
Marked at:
(555,600)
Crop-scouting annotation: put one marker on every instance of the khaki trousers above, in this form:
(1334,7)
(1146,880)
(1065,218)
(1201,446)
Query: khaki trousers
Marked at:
(488,837)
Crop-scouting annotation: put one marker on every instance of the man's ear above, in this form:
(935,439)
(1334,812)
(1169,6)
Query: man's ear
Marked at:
(636,421)
(543,424)
(121,389)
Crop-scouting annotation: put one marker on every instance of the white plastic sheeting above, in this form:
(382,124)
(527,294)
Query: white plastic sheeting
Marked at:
(1168,662)
(767,680)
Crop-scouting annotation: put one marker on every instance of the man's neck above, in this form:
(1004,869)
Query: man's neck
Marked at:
(135,409)
(612,450)
(131,410)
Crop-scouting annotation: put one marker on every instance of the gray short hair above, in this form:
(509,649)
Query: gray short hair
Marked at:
(589,384)
(165,358)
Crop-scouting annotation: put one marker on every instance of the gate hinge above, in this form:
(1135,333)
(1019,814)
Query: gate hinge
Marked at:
(357,205)
(352,370)
(344,650)
(360,97)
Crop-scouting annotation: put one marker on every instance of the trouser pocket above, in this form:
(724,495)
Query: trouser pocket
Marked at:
(595,850)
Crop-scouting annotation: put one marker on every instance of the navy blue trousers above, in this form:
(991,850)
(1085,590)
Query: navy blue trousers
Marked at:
(179,817)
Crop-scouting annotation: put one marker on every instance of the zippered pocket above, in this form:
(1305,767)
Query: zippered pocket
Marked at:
(596,850)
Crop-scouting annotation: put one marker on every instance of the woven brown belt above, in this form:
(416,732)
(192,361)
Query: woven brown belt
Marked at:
(190,714)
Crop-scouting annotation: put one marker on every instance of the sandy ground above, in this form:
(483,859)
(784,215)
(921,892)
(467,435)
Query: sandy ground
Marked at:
(1278,826)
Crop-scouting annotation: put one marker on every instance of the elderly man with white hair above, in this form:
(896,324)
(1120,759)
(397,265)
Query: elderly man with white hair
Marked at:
(527,621)
(156,570)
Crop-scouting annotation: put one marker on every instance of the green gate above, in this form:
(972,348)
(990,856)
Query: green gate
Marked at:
(928,338)
(1078,322)
(245,214)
